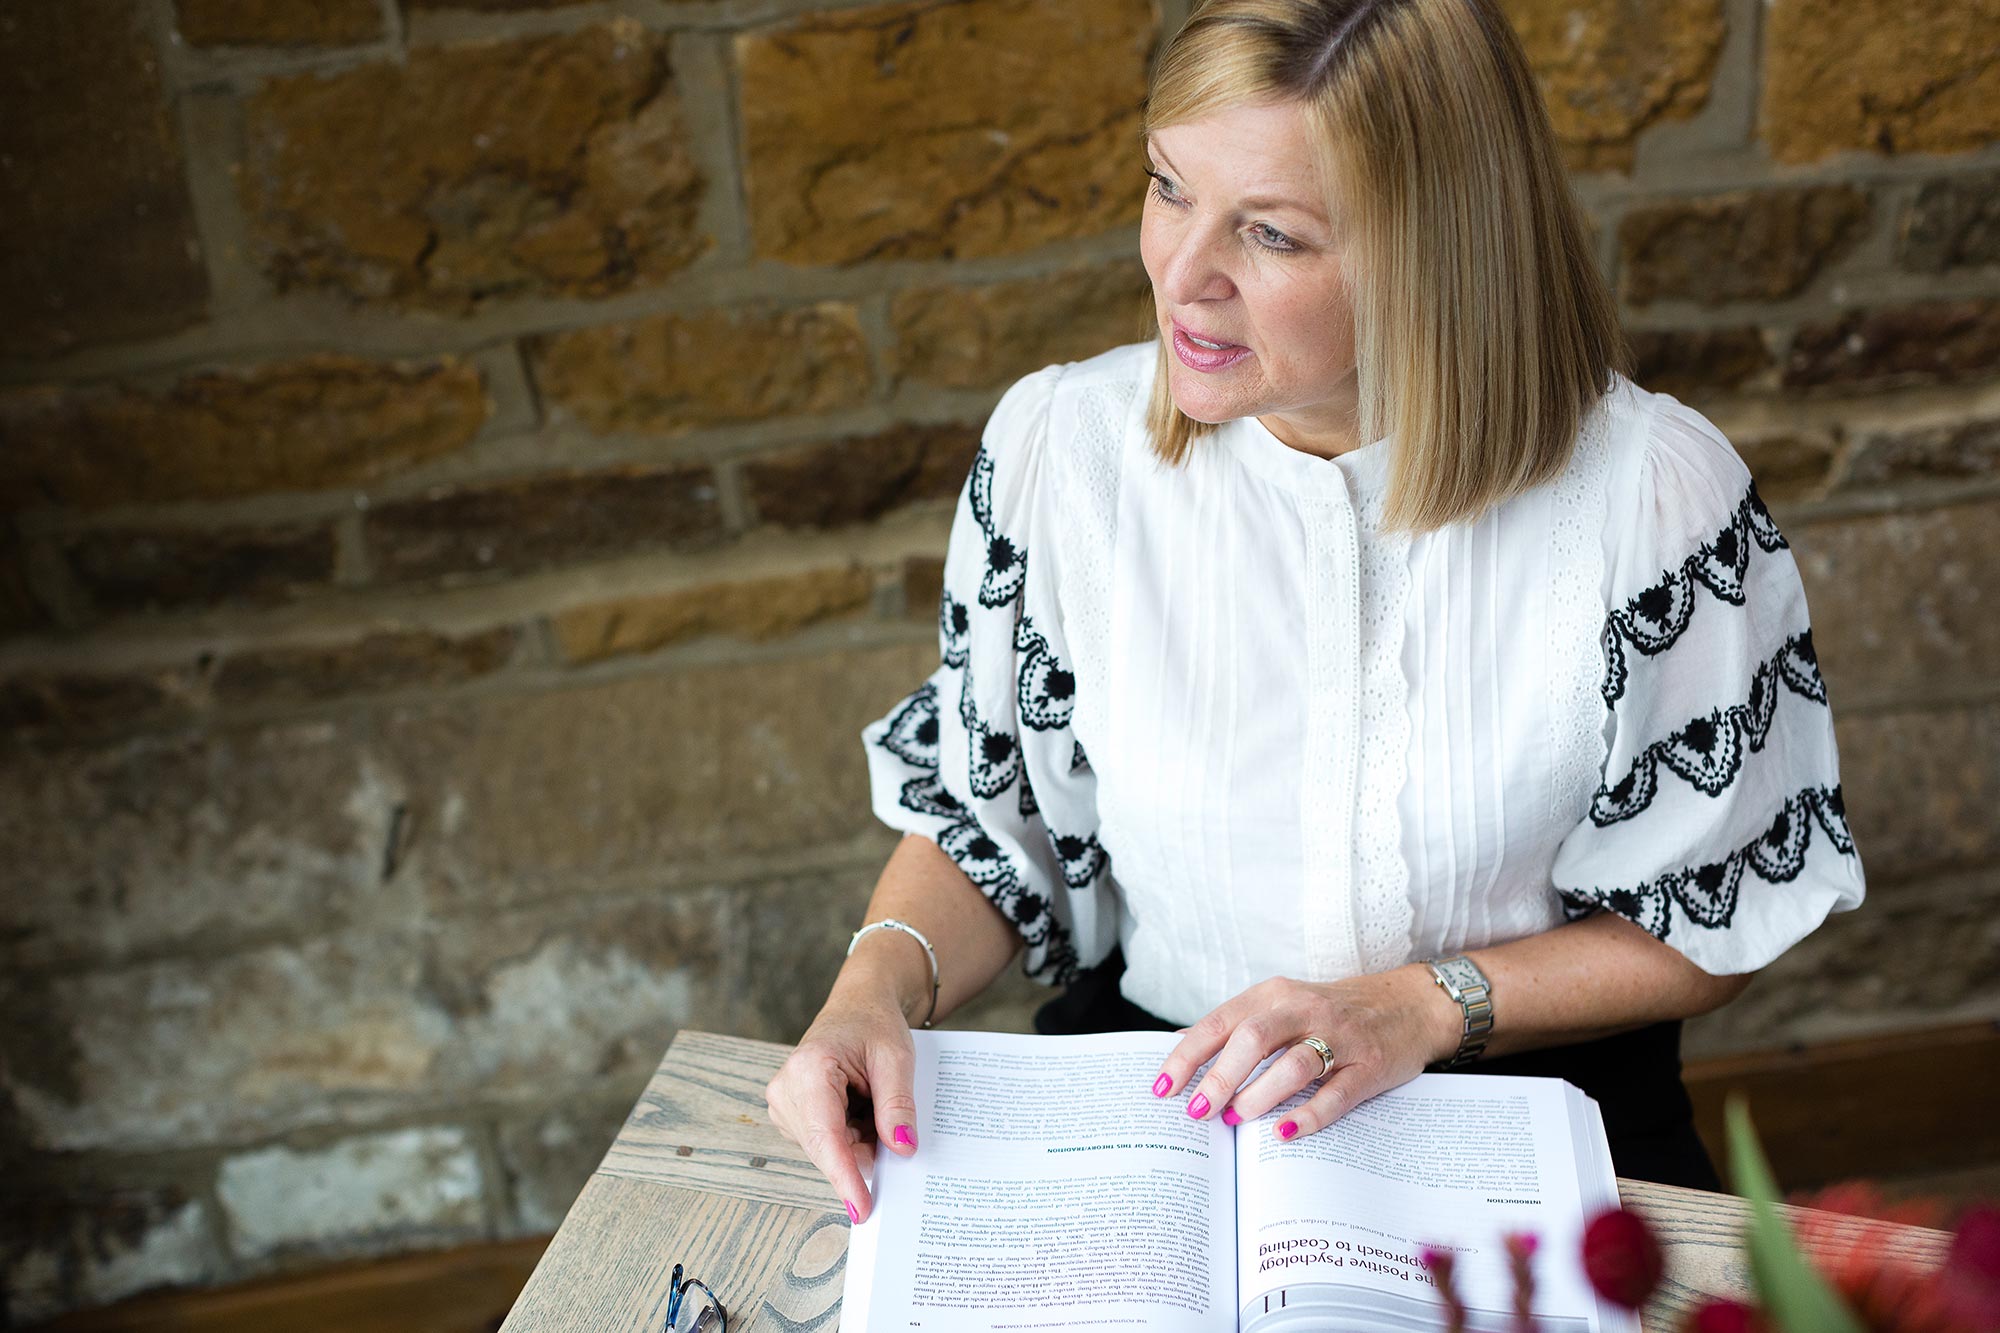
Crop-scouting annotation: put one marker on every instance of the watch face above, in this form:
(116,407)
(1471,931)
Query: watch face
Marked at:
(1462,973)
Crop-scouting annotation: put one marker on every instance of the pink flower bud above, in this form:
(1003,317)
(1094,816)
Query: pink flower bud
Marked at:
(1721,1316)
(1622,1258)
(1970,1279)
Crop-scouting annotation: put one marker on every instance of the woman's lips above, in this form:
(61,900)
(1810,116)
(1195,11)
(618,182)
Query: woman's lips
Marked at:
(1196,357)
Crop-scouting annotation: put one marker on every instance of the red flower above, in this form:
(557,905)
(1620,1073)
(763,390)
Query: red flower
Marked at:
(1887,1294)
(1722,1316)
(1860,1198)
(1622,1258)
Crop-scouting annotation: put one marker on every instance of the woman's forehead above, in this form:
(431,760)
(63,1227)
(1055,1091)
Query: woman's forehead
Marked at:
(1261,156)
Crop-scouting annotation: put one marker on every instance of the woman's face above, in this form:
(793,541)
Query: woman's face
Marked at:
(1237,243)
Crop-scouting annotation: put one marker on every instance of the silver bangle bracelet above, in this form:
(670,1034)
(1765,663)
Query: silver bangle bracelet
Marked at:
(891,923)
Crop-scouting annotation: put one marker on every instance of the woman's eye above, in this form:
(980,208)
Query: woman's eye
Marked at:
(1267,236)
(1284,242)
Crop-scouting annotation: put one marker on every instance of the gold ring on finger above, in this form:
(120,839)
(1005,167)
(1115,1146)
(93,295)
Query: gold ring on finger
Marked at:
(1324,1051)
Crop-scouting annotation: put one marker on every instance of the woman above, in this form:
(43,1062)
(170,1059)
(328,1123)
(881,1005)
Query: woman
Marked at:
(1365,670)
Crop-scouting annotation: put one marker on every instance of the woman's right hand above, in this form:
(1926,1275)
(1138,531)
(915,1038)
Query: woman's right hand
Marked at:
(859,1047)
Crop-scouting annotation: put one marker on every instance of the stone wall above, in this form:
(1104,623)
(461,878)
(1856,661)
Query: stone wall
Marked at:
(471,467)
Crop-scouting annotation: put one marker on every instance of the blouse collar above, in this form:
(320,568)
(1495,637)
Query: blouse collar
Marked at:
(1366,467)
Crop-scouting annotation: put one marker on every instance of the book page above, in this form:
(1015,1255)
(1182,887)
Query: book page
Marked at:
(1333,1224)
(1050,1189)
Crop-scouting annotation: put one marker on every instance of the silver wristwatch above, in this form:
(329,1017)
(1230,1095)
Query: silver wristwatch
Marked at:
(1460,978)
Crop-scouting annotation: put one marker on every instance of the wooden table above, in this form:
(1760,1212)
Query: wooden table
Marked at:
(699,1175)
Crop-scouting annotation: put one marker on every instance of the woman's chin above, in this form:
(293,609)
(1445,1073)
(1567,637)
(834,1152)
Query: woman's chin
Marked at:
(1206,410)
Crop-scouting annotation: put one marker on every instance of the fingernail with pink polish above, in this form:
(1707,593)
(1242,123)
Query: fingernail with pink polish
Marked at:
(1162,1086)
(852,1214)
(1199,1106)
(1230,1118)
(904,1137)
(1289,1128)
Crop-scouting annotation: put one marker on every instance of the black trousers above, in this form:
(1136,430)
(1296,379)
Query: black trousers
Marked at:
(1634,1076)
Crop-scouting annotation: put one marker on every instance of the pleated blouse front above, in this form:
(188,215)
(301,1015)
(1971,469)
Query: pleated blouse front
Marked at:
(1216,715)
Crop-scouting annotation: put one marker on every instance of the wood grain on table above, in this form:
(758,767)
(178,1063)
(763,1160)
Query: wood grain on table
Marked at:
(699,1176)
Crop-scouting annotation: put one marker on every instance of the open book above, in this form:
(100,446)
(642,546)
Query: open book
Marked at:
(1051,1189)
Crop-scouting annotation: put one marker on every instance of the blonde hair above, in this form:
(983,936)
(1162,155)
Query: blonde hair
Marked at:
(1483,330)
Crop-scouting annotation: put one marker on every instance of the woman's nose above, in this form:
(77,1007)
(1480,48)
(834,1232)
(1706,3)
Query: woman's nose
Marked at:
(1195,271)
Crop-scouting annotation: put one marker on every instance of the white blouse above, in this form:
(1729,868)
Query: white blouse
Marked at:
(1217,716)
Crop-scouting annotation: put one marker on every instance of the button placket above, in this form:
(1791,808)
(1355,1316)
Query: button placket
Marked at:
(1331,750)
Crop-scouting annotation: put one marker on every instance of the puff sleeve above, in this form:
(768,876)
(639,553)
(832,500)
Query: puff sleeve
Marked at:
(980,758)
(1719,826)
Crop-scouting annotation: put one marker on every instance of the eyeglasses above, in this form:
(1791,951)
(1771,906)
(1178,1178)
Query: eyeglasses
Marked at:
(707,1316)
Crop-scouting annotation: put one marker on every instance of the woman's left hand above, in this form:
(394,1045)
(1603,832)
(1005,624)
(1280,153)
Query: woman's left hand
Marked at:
(1383,1029)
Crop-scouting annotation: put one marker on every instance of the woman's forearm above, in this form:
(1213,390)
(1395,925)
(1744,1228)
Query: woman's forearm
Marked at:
(1582,980)
(972,940)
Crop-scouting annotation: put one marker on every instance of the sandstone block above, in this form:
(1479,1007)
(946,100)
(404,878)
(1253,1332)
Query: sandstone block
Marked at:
(307,424)
(170,569)
(669,374)
(564,788)
(799,930)
(1760,246)
(20,610)
(1903,602)
(1692,364)
(1909,954)
(385,660)
(552,166)
(361,1194)
(1861,76)
(1920,788)
(1963,452)
(1028,113)
(988,337)
(163,844)
(923,587)
(1954,223)
(87,702)
(489,6)
(1939,343)
(747,608)
(858,479)
(93,1247)
(561,999)
(542,521)
(1788,467)
(1608,71)
(548,1158)
(181,1053)
(278,23)
(97,242)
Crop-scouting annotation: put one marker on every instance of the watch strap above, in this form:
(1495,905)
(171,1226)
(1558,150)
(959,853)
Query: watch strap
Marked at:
(1460,978)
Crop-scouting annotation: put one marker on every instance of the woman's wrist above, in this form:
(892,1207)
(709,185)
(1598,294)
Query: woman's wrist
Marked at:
(1444,1020)
(897,974)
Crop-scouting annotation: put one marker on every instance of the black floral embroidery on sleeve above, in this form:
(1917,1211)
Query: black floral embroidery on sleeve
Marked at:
(993,756)
(1046,688)
(954,630)
(926,794)
(1654,618)
(1006,562)
(1708,894)
(987,864)
(912,735)
(1083,858)
(1044,691)
(1708,752)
